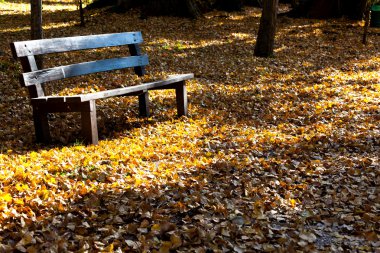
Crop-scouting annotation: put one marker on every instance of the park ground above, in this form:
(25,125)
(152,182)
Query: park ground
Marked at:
(278,154)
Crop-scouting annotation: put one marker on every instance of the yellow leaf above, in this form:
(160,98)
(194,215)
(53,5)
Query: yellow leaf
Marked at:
(43,194)
(52,180)
(175,240)
(165,247)
(61,207)
(22,187)
(18,201)
(156,227)
(5,197)
(109,248)
(31,249)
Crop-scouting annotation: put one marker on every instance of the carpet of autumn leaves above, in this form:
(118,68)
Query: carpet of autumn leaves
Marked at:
(277,155)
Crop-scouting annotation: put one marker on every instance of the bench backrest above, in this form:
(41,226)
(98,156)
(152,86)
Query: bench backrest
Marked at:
(33,77)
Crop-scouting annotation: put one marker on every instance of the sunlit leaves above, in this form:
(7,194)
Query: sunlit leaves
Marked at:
(277,154)
(5,197)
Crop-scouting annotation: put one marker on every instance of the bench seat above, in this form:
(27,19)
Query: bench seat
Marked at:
(161,84)
(34,77)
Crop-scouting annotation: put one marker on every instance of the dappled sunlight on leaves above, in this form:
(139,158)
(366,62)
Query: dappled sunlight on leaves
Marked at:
(277,154)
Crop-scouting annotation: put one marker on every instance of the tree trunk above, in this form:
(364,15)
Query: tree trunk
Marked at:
(81,13)
(267,30)
(366,24)
(36,25)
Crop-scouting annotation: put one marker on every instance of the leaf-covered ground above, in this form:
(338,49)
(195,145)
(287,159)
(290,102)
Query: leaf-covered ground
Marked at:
(277,155)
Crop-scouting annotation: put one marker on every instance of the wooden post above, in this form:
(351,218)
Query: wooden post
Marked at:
(89,124)
(41,125)
(181,97)
(144,104)
(134,50)
(36,25)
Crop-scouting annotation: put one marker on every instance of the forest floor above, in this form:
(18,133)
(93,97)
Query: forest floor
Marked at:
(278,154)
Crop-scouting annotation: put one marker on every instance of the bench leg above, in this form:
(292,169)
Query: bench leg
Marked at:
(89,124)
(144,104)
(41,126)
(181,97)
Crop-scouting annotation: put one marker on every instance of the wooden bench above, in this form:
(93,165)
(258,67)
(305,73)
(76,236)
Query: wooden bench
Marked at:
(34,78)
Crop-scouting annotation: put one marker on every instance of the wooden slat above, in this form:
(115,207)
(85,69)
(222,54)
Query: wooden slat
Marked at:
(58,73)
(28,64)
(58,45)
(114,92)
(59,107)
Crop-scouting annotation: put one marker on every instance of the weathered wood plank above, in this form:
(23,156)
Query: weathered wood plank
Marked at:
(60,107)
(181,98)
(57,73)
(89,124)
(58,45)
(28,64)
(115,92)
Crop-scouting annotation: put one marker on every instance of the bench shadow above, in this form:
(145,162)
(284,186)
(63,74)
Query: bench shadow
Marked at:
(65,127)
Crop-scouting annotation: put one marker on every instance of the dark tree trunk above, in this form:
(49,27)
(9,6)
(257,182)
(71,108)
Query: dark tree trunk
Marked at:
(36,25)
(81,13)
(267,30)
(366,24)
